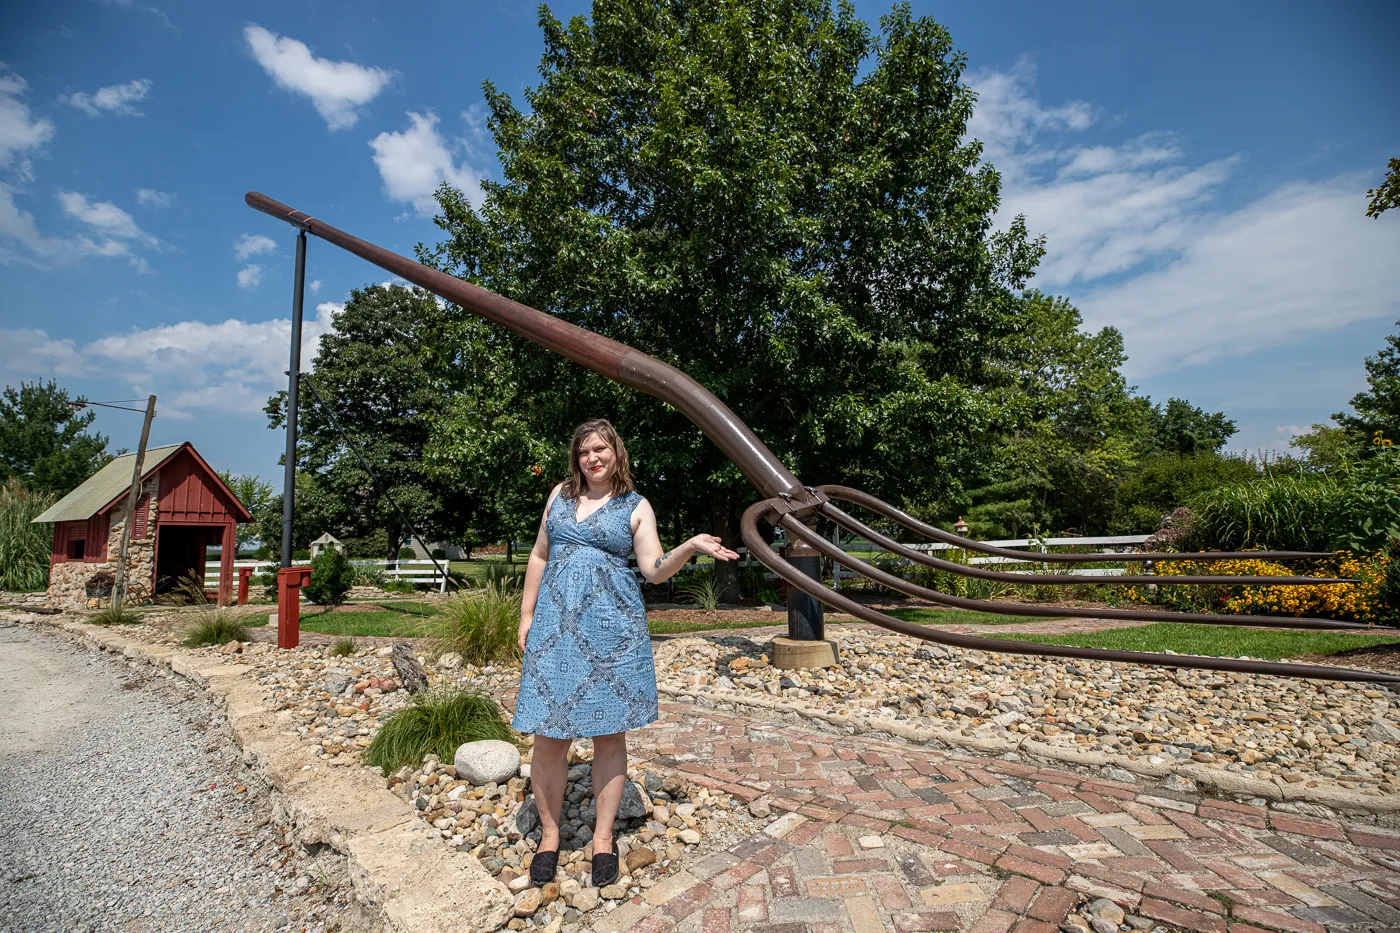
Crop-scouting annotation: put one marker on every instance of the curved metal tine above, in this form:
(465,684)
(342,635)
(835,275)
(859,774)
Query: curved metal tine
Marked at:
(798,530)
(857,527)
(748,526)
(882,508)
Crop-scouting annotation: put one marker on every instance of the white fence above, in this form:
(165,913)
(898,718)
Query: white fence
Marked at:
(410,571)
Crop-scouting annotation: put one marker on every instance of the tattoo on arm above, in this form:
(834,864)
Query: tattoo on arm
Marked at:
(661,560)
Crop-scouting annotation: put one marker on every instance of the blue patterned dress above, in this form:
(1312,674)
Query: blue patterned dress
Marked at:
(588,668)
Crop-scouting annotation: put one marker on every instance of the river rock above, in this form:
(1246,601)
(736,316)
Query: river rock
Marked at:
(337,683)
(486,761)
(585,900)
(639,858)
(690,837)
(613,891)
(1104,909)
(634,805)
(527,902)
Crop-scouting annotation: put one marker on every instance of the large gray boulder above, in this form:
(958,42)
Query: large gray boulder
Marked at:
(489,760)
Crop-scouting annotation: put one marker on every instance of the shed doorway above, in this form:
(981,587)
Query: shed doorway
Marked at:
(181,550)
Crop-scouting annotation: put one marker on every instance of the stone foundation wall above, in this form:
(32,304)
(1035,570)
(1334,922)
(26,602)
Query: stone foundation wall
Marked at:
(68,580)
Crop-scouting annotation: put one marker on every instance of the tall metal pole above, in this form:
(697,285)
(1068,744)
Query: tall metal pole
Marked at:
(289,473)
(119,584)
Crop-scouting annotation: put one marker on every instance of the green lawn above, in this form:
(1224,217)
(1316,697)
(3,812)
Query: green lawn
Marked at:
(960,617)
(408,620)
(1213,640)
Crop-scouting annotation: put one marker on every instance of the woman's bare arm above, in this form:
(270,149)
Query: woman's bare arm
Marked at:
(534,570)
(658,567)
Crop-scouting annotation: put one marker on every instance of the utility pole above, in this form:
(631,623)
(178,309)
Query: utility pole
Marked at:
(119,585)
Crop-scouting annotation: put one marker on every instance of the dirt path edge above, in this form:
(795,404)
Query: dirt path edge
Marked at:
(399,868)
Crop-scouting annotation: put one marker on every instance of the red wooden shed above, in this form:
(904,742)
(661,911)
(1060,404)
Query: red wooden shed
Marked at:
(183,509)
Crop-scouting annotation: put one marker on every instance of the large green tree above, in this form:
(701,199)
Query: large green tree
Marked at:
(776,199)
(258,495)
(44,439)
(1378,408)
(392,363)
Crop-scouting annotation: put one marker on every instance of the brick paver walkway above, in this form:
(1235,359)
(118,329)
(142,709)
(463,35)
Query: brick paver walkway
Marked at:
(896,837)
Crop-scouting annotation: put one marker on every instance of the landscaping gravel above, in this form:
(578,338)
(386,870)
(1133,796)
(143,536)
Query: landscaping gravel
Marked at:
(124,806)
(1296,731)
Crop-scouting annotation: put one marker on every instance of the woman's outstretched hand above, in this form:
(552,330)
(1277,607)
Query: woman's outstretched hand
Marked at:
(713,546)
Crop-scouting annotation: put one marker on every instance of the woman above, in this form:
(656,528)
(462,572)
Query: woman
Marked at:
(588,670)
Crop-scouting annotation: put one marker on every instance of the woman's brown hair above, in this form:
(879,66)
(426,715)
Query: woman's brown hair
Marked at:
(575,484)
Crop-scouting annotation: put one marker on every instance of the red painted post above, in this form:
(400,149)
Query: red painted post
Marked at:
(245,580)
(290,580)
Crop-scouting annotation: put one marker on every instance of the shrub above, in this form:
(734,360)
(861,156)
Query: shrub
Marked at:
(481,625)
(268,581)
(111,616)
(439,553)
(396,585)
(1169,481)
(439,720)
(331,578)
(216,629)
(24,546)
(344,647)
(1365,601)
(407,553)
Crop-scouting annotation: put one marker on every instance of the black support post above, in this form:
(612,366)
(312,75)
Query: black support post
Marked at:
(289,473)
(805,620)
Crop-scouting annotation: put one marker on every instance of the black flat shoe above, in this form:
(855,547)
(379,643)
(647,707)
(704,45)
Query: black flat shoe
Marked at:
(543,866)
(605,868)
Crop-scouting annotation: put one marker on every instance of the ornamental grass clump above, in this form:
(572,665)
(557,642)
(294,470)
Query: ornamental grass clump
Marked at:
(110,615)
(344,648)
(24,546)
(439,720)
(218,628)
(481,625)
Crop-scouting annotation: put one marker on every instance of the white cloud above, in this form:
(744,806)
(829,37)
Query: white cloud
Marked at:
(114,98)
(104,217)
(337,89)
(32,352)
(414,162)
(116,232)
(1135,236)
(314,285)
(250,244)
(1301,260)
(1103,209)
(149,197)
(230,367)
(250,276)
(20,133)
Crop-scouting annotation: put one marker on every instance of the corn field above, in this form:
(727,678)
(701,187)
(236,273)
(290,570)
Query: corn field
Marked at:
(24,547)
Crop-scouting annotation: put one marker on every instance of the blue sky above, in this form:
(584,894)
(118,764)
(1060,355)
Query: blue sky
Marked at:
(1199,170)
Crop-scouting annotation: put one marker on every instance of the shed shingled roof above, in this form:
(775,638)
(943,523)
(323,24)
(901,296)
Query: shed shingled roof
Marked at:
(105,485)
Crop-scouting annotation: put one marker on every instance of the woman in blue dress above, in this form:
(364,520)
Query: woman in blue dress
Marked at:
(588,670)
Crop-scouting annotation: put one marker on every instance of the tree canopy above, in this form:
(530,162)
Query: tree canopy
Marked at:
(392,362)
(44,440)
(1377,408)
(777,200)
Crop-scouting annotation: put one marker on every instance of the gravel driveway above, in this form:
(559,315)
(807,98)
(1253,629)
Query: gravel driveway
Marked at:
(124,806)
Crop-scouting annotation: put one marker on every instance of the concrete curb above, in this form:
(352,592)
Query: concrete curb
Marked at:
(1219,779)
(397,865)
